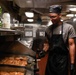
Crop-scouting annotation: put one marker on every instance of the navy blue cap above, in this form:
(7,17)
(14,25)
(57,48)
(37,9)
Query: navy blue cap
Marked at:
(55,9)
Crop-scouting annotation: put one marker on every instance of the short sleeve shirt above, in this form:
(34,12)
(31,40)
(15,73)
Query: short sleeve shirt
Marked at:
(68,31)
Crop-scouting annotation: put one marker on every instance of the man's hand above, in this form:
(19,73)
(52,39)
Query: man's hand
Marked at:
(41,54)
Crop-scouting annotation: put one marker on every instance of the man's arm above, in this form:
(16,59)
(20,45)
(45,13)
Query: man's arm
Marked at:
(72,50)
(46,47)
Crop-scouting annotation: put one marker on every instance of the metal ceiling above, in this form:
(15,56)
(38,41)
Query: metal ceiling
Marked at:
(40,8)
(39,3)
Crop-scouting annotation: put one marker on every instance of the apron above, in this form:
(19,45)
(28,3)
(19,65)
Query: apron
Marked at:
(57,63)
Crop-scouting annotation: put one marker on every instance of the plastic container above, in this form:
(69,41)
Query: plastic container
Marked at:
(6,20)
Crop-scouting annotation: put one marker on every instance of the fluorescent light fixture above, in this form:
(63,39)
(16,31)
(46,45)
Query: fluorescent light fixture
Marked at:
(61,19)
(29,14)
(72,9)
(74,20)
(28,1)
(49,23)
(75,15)
(30,20)
(70,15)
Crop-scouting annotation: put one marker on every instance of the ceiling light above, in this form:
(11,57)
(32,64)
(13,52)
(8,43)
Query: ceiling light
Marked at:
(30,20)
(49,23)
(61,19)
(70,15)
(29,14)
(28,1)
(75,15)
(72,9)
(74,20)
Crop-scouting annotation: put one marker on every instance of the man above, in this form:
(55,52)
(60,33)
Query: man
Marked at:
(60,36)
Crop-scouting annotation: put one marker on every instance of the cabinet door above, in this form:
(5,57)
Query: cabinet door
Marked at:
(42,65)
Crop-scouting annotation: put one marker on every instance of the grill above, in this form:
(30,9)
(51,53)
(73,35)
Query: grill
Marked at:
(16,58)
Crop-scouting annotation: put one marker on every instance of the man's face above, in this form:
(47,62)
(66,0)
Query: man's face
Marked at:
(54,17)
